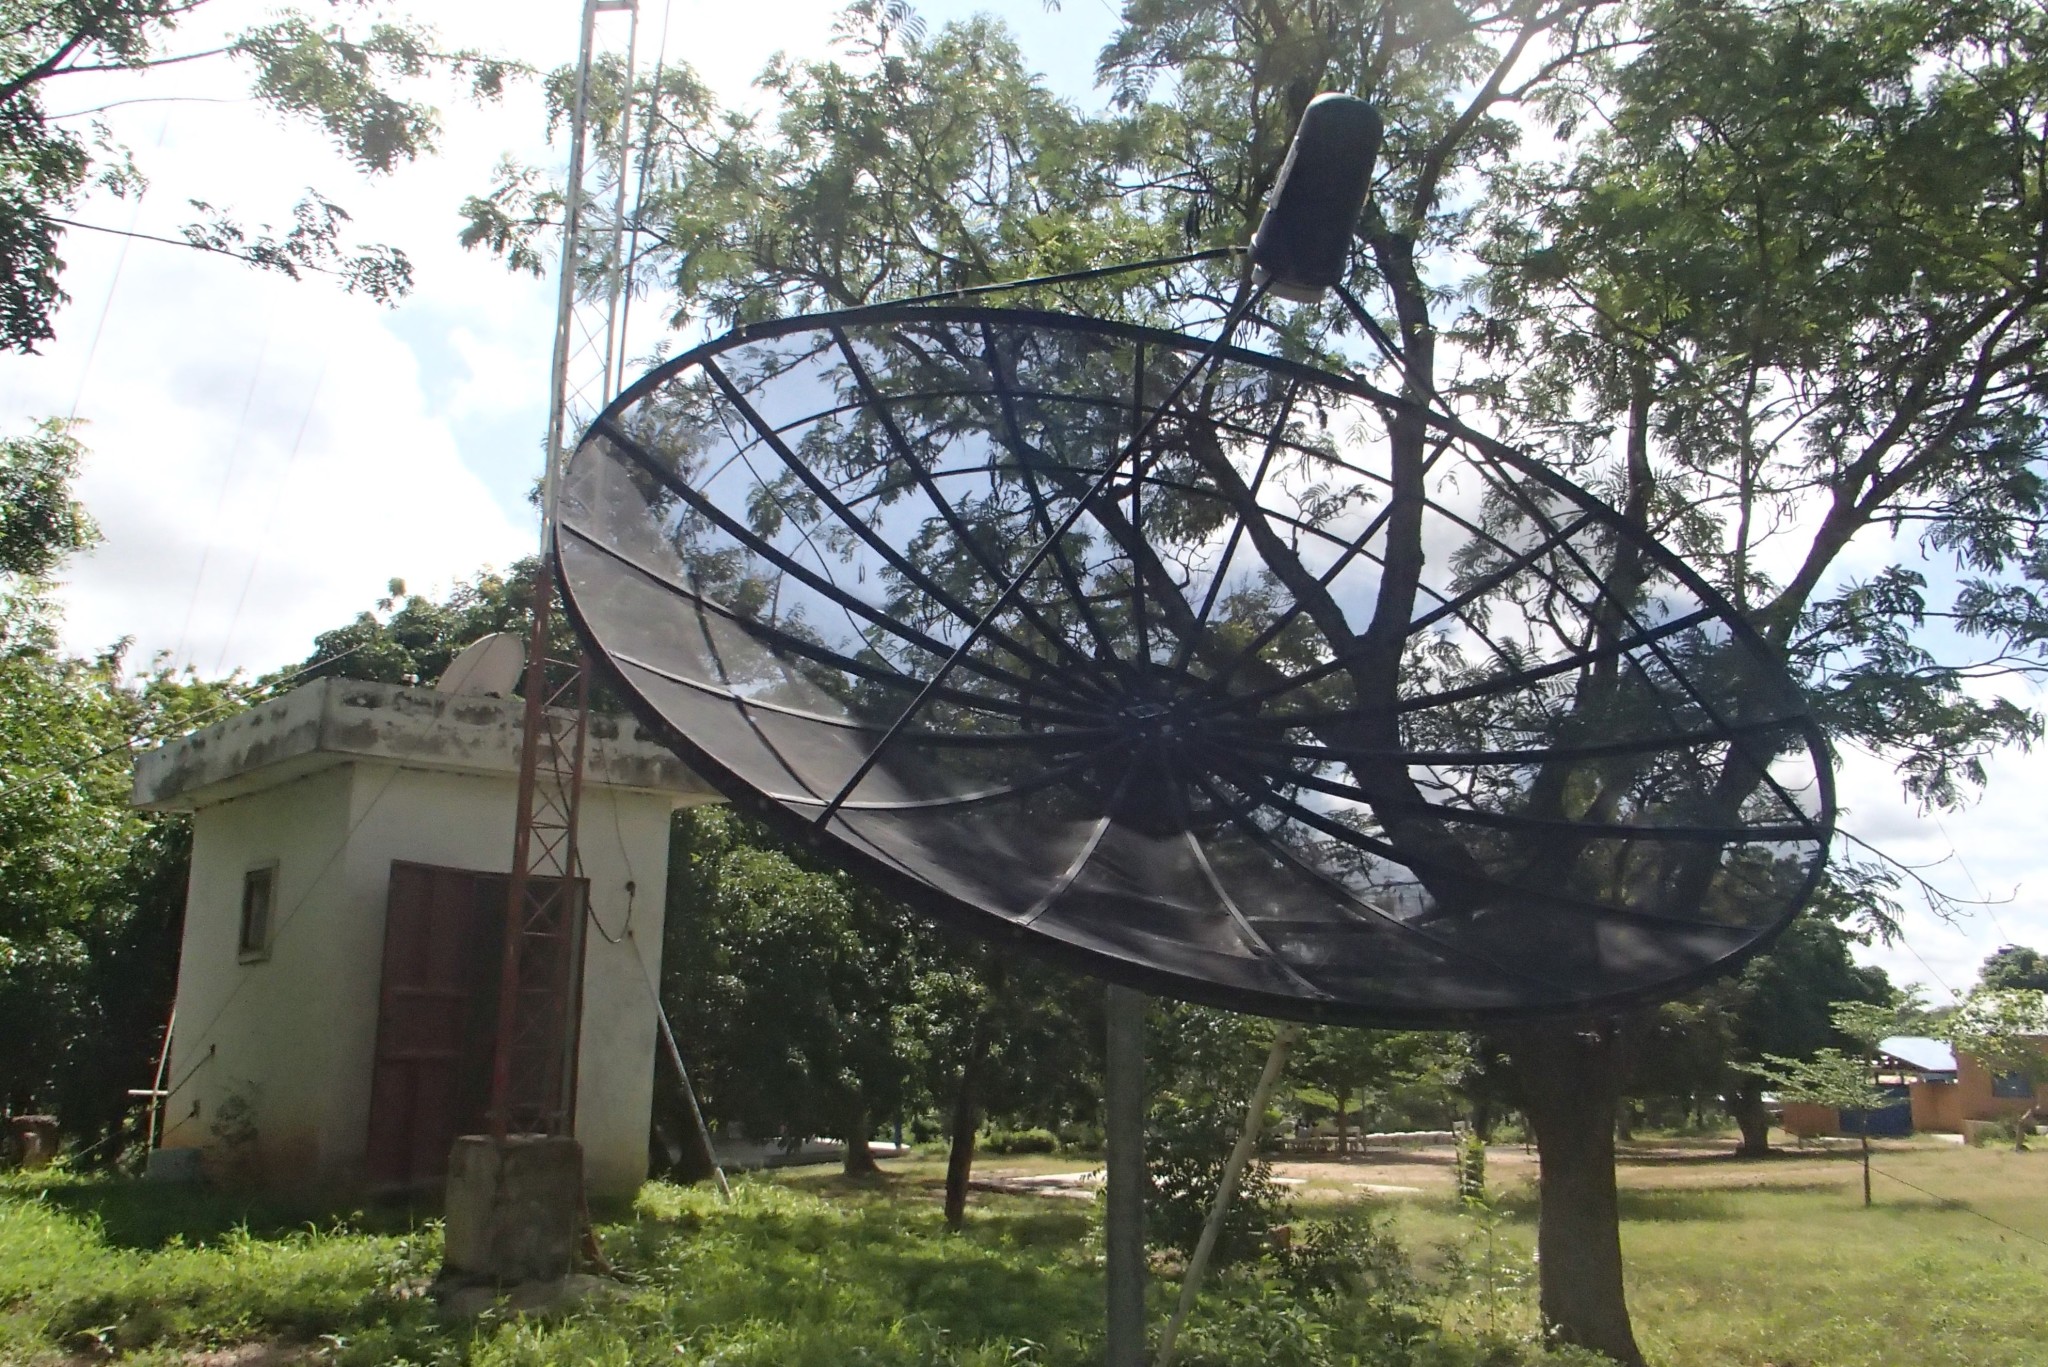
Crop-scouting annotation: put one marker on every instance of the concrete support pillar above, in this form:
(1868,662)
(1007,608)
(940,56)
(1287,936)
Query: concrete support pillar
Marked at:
(1124,1127)
(514,1208)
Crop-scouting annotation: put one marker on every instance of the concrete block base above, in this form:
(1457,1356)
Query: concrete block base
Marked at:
(176,1165)
(513,1206)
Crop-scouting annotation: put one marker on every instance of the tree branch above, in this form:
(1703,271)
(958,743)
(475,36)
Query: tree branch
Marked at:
(187,243)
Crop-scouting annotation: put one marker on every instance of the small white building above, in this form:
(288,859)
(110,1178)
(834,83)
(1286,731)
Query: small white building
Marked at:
(336,991)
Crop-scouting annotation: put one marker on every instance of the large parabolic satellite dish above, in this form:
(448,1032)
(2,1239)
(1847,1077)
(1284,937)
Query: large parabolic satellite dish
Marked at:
(1216,674)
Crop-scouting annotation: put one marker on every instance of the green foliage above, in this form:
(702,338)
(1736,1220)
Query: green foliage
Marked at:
(344,81)
(1785,999)
(1829,1078)
(809,1004)
(1028,1034)
(1020,1141)
(913,162)
(40,523)
(783,977)
(2005,1029)
(416,639)
(1202,1066)
(312,243)
(1691,1051)
(1844,1079)
(1472,1168)
(1380,1079)
(779,1276)
(1479,1262)
(2015,967)
(347,80)
(1818,308)
(1351,1252)
(91,893)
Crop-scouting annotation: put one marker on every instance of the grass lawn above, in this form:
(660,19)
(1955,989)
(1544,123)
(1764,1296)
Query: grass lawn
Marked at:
(1776,1263)
(1732,1264)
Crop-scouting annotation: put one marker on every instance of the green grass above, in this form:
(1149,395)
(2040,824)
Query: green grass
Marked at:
(116,1266)
(1731,1264)
(1776,1263)
(1801,1275)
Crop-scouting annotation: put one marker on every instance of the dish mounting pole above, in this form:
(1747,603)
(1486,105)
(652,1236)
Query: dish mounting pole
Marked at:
(533,1066)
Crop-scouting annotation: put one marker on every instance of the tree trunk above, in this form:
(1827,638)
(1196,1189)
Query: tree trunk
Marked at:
(1866,1158)
(860,1159)
(1571,1081)
(1624,1123)
(960,1156)
(1343,1120)
(1746,1104)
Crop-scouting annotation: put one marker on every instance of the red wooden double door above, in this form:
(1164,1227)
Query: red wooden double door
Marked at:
(437,1017)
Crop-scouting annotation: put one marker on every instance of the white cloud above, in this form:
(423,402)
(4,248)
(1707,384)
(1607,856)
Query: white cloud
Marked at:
(256,490)
(424,437)
(1988,852)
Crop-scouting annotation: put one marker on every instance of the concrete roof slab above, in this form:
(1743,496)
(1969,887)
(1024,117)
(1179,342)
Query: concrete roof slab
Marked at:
(335,721)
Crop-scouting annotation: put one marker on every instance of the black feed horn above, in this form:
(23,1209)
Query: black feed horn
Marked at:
(1301,243)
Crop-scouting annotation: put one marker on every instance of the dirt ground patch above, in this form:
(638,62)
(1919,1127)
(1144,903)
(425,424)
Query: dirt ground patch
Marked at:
(1429,1173)
(1698,1164)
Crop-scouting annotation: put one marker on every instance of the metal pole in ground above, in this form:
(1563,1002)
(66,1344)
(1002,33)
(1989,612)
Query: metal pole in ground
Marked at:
(675,1057)
(1212,1228)
(1124,1136)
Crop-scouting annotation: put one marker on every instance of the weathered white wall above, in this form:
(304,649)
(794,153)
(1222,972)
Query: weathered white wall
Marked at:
(262,1030)
(296,1033)
(624,839)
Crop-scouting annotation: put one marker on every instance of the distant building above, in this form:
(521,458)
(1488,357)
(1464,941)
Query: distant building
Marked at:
(1970,1093)
(336,992)
(1940,1091)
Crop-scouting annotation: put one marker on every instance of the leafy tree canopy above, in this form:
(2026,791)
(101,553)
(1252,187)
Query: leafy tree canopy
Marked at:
(786,980)
(40,523)
(1809,320)
(2015,967)
(411,639)
(1374,1078)
(92,893)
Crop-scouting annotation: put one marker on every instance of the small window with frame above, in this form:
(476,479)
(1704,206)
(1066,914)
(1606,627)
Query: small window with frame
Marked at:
(2012,1086)
(259,898)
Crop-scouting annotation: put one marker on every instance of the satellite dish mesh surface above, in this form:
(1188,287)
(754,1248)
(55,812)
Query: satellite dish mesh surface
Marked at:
(1266,718)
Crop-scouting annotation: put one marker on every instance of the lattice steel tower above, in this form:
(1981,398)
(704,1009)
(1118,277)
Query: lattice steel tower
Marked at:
(533,1077)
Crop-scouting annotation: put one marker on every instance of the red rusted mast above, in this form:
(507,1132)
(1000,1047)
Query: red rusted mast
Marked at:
(533,1067)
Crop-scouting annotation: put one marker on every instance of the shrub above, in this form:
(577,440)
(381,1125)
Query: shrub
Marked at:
(1353,1252)
(1020,1141)
(1510,1131)
(1187,1167)
(2002,1130)
(1472,1167)
(1079,1135)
